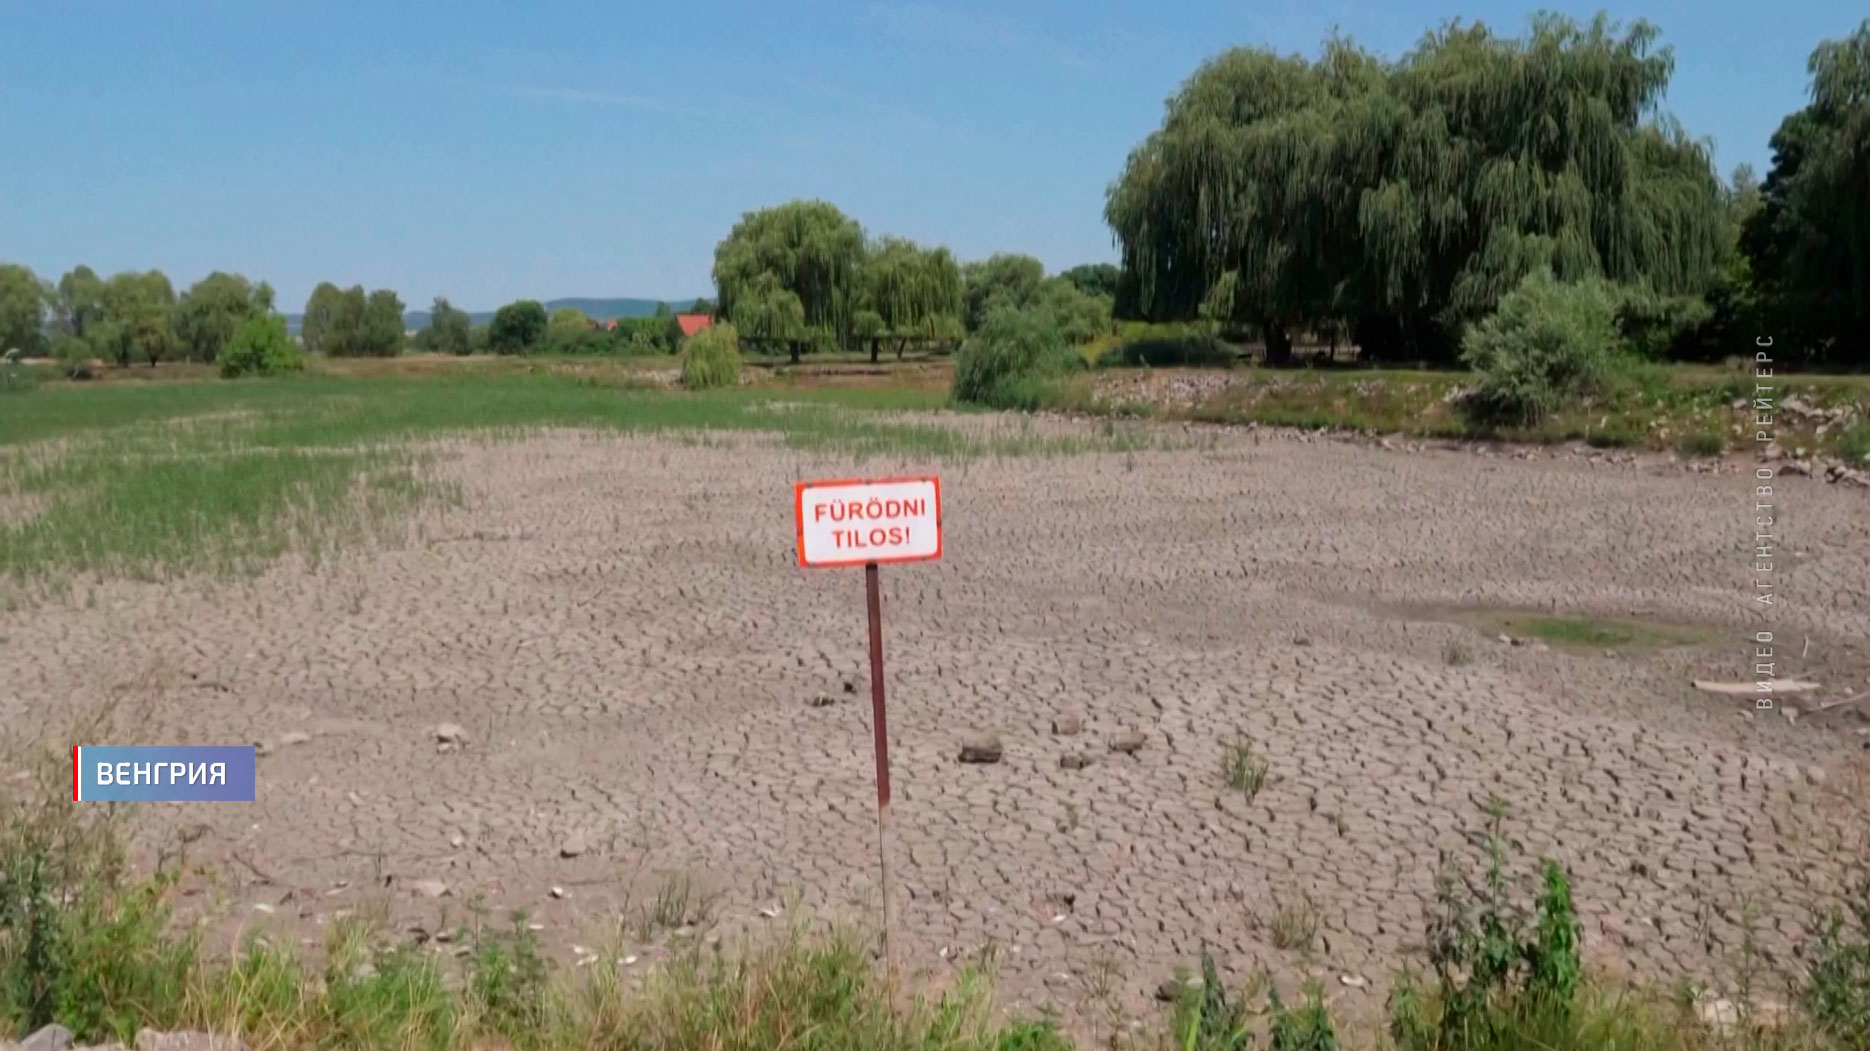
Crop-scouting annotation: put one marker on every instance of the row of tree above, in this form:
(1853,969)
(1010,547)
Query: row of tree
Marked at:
(804,276)
(1390,202)
(133,315)
(1397,201)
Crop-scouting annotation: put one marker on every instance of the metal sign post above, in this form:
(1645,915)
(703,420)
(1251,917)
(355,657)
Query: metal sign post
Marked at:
(856,522)
(879,721)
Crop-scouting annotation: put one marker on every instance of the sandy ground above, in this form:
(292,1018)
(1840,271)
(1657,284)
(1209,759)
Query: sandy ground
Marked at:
(619,626)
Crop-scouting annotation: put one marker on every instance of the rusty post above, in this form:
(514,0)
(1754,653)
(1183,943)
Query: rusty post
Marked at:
(874,601)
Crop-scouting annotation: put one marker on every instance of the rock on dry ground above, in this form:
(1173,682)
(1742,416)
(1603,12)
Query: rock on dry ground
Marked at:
(618,628)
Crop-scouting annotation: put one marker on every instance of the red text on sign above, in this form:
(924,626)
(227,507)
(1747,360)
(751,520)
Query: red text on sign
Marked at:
(860,511)
(858,539)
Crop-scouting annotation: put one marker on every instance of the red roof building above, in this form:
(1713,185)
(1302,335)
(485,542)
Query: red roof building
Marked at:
(693,323)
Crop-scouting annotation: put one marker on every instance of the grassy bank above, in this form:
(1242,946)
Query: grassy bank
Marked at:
(1686,409)
(86,944)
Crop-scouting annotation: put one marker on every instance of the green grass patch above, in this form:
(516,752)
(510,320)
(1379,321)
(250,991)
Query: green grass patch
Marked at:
(1590,633)
(148,479)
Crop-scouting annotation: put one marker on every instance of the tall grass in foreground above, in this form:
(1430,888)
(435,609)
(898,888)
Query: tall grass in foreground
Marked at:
(86,944)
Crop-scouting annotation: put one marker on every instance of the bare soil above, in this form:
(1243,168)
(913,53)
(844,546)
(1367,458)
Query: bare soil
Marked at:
(619,625)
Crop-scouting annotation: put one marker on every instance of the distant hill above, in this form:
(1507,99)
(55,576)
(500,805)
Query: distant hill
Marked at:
(602,309)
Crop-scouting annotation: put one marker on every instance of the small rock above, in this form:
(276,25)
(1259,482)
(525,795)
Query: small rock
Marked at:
(1301,640)
(47,1038)
(1815,774)
(981,749)
(1720,1015)
(457,841)
(450,733)
(1073,761)
(1355,981)
(263,748)
(1067,723)
(293,737)
(822,700)
(573,846)
(557,892)
(1506,639)
(1800,467)
(1129,742)
(1172,989)
(429,888)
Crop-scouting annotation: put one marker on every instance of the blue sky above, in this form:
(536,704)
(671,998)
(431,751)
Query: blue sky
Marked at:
(488,151)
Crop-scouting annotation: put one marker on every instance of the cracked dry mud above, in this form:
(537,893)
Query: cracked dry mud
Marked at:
(618,626)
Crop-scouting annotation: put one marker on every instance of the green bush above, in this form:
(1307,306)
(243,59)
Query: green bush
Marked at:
(1701,445)
(1854,443)
(81,944)
(1501,969)
(1165,346)
(1549,342)
(711,358)
(1009,362)
(1658,327)
(1837,994)
(74,357)
(261,348)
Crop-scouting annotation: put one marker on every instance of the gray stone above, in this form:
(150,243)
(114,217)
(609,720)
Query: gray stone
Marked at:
(47,1038)
(573,846)
(1815,774)
(984,748)
(1129,742)
(1067,723)
(429,888)
(186,1040)
(1073,761)
(294,737)
(450,733)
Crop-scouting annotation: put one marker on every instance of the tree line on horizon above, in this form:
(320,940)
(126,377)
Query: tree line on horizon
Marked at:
(1392,204)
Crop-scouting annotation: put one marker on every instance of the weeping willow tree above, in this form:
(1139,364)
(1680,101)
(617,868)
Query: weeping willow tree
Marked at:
(909,293)
(807,250)
(766,314)
(1809,245)
(1407,197)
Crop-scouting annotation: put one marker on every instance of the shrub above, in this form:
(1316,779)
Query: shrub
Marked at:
(1837,995)
(1160,346)
(517,328)
(711,358)
(261,348)
(1549,342)
(1701,445)
(1658,327)
(74,357)
(1009,362)
(1854,443)
(80,943)
(1500,968)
